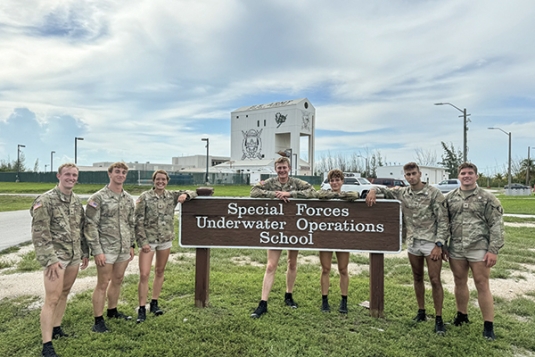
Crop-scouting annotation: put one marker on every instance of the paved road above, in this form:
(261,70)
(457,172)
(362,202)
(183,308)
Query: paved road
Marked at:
(14,228)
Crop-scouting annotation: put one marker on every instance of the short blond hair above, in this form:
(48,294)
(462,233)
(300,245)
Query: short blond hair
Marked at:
(119,165)
(283,160)
(67,165)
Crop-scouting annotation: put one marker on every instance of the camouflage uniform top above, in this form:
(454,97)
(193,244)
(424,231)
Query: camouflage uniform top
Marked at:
(57,228)
(154,216)
(109,222)
(297,188)
(424,213)
(476,221)
(343,195)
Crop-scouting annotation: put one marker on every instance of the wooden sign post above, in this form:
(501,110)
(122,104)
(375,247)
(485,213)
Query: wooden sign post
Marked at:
(328,225)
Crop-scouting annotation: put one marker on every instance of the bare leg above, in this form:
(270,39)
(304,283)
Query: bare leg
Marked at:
(99,294)
(273,257)
(145,264)
(291,272)
(53,289)
(343,261)
(417,265)
(326,261)
(433,269)
(161,261)
(115,285)
(481,275)
(459,268)
(71,272)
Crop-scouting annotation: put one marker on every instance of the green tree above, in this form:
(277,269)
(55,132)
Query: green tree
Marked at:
(451,159)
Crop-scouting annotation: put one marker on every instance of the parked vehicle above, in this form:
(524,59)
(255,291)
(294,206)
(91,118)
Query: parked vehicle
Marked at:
(356,184)
(390,182)
(448,185)
(517,186)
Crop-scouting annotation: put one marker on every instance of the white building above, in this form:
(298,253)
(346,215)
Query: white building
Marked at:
(430,174)
(260,132)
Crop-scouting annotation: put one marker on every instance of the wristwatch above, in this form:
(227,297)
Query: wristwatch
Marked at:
(438,244)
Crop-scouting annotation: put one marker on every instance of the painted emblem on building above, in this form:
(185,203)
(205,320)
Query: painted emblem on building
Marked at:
(252,144)
(306,120)
(279,118)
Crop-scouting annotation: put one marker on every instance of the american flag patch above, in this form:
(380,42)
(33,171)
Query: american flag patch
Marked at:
(37,205)
(92,204)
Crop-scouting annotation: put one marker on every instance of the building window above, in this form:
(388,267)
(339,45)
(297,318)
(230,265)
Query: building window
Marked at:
(258,123)
(264,122)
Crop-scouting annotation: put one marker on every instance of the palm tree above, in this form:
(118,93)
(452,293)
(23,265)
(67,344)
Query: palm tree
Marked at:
(527,170)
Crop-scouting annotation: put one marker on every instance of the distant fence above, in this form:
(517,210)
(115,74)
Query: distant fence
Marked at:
(134,177)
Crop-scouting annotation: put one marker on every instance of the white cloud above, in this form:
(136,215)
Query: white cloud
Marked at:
(147,80)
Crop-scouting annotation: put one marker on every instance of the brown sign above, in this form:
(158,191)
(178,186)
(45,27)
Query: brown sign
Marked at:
(208,222)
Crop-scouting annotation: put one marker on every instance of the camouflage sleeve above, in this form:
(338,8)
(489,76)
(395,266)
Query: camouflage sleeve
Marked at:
(132,223)
(303,190)
(83,241)
(344,195)
(191,194)
(387,192)
(494,217)
(141,235)
(41,236)
(441,215)
(259,190)
(92,221)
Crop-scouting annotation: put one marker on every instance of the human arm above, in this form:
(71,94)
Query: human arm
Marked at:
(140,213)
(41,235)
(91,228)
(494,219)
(343,195)
(263,190)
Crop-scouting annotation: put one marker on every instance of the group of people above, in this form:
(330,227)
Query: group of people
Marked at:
(64,235)
(465,227)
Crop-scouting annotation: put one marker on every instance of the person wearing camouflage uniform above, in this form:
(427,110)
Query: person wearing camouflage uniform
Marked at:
(60,247)
(336,180)
(425,222)
(282,187)
(477,234)
(109,230)
(154,227)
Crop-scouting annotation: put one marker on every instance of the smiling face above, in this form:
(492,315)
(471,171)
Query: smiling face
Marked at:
(283,170)
(160,181)
(117,176)
(336,183)
(468,177)
(67,177)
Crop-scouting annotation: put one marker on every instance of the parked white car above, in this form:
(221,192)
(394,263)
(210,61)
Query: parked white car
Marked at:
(356,184)
(448,185)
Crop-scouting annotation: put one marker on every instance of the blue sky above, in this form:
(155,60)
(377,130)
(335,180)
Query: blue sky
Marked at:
(146,80)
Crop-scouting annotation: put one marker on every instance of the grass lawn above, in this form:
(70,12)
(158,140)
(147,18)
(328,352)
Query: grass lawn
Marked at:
(225,328)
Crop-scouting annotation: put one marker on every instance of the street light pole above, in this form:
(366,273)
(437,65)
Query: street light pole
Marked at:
(207,156)
(509,170)
(465,129)
(76,149)
(18,160)
(52,161)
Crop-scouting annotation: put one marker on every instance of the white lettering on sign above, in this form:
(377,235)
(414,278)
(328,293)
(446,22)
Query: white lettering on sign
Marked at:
(303,209)
(281,238)
(224,223)
(303,225)
(235,209)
